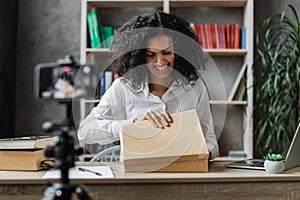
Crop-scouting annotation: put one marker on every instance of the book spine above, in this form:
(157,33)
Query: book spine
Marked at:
(107,33)
(93,27)
(217,35)
(110,34)
(228,36)
(212,36)
(105,81)
(243,37)
(223,36)
(237,31)
(237,83)
(102,83)
(197,33)
(108,79)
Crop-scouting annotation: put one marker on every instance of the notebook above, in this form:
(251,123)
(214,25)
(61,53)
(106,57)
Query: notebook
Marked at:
(292,158)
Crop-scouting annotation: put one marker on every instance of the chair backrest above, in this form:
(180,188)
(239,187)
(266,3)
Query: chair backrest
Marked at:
(111,154)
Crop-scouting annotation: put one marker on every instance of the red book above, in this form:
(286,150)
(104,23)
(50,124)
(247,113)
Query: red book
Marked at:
(193,26)
(237,36)
(206,32)
(232,32)
(228,36)
(202,35)
(212,36)
(217,35)
(198,34)
(223,36)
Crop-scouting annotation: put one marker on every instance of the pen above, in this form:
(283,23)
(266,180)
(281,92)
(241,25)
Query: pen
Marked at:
(87,170)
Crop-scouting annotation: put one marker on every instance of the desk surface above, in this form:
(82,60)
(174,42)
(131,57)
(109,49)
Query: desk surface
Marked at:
(217,173)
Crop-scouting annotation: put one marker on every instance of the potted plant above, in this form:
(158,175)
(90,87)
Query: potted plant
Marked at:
(274,163)
(278,81)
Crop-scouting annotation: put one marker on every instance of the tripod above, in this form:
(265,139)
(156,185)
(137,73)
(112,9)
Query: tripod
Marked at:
(63,152)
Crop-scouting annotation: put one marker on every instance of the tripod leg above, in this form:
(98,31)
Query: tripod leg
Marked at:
(81,192)
(49,193)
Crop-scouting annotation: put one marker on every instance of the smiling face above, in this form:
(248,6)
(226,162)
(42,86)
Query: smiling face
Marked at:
(160,58)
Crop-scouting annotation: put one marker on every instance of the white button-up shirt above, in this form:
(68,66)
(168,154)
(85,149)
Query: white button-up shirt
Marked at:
(122,103)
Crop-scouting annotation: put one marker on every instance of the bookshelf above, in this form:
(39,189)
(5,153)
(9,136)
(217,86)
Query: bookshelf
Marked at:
(116,12)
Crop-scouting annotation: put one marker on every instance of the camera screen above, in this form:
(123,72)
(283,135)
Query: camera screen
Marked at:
(53,81)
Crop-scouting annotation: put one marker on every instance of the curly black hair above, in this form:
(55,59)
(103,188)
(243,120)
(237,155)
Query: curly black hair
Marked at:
(130,44)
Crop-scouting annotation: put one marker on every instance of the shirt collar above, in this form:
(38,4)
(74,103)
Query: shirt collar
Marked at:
(145,86)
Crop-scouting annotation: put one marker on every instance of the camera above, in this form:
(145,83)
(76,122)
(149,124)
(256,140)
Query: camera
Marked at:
(64,80)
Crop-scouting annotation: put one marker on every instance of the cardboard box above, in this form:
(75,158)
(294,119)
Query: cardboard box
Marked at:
(178,148)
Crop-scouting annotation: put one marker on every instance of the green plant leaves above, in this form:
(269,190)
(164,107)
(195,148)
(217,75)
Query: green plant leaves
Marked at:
(278,84)
(273,157)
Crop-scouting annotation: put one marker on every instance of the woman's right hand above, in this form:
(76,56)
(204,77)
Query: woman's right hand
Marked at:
(158,119)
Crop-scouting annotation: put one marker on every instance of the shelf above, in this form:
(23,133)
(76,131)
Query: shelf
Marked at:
(242,103)
(208,3)
(213,52)
(124,3)
(229,159)
(159,3)
(90,100)
(226,52)
(102,51)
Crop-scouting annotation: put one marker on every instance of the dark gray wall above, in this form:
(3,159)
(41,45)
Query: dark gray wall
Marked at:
(48,30)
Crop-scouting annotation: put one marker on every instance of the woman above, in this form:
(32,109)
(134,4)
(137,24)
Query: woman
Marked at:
(158,59)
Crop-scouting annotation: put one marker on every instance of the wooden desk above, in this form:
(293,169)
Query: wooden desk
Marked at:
(218,183)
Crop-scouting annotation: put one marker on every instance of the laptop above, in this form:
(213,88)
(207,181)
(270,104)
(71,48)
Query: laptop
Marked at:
(292,158)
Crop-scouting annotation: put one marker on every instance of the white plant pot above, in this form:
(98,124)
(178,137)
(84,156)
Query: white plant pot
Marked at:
(274,167)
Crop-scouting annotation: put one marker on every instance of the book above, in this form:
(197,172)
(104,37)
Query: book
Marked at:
(107,33)
(236,83)
(30,142)
(237,37)
(241,90)
(207,38)
(243,37)
(102,83)
(105,81)
(93,27)
(178,148)
(228,36)
(196,29)
(108,79)
(23,160)
(202,35)
(237,154)
(223,36)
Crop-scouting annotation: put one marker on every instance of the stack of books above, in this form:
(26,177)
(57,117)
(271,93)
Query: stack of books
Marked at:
(220,36)
(100,35)
(24,153)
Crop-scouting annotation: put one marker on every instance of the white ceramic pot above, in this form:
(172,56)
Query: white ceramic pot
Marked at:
(274,167)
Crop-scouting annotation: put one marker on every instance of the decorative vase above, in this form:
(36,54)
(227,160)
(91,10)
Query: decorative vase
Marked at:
(274,167)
